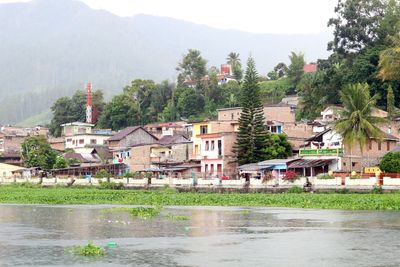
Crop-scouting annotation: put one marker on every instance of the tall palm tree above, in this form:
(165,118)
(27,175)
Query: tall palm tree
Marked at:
(233,59)
(389,61)
(356,123)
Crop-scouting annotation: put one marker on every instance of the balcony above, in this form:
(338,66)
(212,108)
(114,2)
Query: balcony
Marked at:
(321,152)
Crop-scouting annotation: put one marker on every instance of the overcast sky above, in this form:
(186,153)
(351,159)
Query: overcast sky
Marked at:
(258,16)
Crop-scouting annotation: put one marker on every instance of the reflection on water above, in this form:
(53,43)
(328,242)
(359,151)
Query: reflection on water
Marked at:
(38,235)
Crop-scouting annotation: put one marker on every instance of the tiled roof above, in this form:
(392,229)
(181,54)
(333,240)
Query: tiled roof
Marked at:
(127,131)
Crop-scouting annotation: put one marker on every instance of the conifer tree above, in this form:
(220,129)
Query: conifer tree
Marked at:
(251,140)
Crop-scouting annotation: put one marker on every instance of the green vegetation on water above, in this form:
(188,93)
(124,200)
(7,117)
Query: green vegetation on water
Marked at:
(174,217)
(88,250)
(168,197)
(140,212)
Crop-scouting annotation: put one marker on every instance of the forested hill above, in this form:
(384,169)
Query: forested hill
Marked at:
(51,48)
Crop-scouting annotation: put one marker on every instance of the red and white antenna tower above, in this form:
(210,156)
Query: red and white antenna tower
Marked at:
(89,107)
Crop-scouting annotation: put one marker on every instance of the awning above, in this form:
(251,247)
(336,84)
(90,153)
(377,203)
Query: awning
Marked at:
(308,163)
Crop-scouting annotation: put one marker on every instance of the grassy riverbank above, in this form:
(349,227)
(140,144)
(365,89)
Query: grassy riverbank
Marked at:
(165,197)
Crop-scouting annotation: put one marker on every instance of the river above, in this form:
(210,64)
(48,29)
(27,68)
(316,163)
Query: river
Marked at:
(41,235)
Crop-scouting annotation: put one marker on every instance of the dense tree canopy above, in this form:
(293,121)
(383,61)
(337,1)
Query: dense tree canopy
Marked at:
(71,109)
(36,152)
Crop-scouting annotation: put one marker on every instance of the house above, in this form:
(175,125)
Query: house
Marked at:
(274,168)
(85,139)
(11,137)
(131,136)
(225,74)
(206,127)
(310,68)
(57,143)
(74,128)
(167,129)
(217,155)
(282,112)
(166,152)
(90,155)
(328,145)
(7,170)
(332,113)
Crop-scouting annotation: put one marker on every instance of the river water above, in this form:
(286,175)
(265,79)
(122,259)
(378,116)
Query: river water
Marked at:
(41,235)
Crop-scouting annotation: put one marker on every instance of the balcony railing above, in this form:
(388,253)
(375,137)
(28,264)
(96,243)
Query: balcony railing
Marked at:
(321,152)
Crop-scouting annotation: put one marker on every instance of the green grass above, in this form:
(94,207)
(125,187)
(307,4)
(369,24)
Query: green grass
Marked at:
(349,201)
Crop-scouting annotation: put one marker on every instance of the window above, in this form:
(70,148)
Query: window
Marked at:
(387,145)
(212,168)
(232,116)
(73,142)
(207,146)
(81,141)
(69,140)
(379,145)
(93,141)
(212,145)
(206,168)
(203,129)
(353,164)
(369,144)
(128,154)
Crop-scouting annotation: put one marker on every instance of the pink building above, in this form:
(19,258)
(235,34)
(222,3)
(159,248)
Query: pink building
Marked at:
(217,156)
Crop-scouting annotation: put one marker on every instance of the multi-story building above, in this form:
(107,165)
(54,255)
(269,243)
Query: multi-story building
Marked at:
(86,139)
(328,146)
(282,112)
(74,128)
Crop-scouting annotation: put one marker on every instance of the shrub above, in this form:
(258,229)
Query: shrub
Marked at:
(290,176)
(295,190)
(377,190)
(325,176)
(390,162)
(103,174)
(110,185)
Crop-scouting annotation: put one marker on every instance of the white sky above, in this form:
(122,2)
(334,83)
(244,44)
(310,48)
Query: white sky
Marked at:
(258,16)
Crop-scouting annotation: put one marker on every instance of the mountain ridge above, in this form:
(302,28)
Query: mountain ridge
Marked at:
(52,48)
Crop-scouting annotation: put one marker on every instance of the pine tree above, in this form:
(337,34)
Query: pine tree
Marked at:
(390,102)
(251,140)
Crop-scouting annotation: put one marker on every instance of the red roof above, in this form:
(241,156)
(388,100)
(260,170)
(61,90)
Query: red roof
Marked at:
(310,68)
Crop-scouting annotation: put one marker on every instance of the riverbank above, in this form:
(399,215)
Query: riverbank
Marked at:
(170,197)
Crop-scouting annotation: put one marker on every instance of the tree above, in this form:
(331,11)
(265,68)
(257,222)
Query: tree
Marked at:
(67,109)
(141,91)
(391,162)
(356,124)
(272,75)
(60,163)
(277,147)
(390,102)
(296,69)
(356,25)
(192,67)
(233,59)
(312,92)
(190,103)
(389,61)
(281,69)
(61,114)
(119,113)
(36,152)
(251,140)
